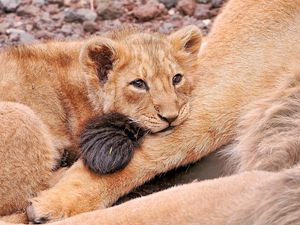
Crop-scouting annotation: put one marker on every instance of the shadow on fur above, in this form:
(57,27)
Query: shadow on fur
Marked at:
(107,142)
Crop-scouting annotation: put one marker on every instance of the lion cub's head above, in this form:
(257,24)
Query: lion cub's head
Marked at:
(146,76)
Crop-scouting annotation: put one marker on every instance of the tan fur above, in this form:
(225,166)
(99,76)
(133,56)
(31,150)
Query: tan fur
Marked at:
(24,144)
(48,91)
(268,132)
(249,198)
(250,52)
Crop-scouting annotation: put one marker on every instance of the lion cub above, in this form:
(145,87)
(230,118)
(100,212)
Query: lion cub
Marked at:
(48,91)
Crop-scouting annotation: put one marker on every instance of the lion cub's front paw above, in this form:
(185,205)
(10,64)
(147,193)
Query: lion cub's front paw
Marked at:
(42,210)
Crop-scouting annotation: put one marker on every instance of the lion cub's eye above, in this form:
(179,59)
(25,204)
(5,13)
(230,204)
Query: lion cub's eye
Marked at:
(177,79)
(139,83)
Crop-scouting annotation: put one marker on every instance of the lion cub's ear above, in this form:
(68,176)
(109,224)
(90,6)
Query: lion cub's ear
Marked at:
(187,39)
(99,56)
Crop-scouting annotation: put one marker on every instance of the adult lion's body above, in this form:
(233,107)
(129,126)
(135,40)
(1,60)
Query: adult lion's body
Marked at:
(251,51)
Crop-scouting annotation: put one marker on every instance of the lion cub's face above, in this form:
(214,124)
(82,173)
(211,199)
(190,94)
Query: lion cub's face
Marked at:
(145,76)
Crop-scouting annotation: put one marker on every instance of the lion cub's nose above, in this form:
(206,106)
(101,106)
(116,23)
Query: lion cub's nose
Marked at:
(168,118)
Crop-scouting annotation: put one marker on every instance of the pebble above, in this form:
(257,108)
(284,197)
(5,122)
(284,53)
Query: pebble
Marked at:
(109,9)
(3,27)
(45,17)
(66,28)
(166,27)
(217,3)
(26,38)
(203,1)
(186,7)
(90,26)
(14,37)
(53,9)
(148,11)
(60,3)
(9,5)
(203,11)
(43,34)
(79,15)
(207,22)
(38,2)
(169,3)
(20,35)
(87,14)
(30,10)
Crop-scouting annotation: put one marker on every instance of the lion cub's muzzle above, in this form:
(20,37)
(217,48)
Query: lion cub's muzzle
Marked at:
(171,118)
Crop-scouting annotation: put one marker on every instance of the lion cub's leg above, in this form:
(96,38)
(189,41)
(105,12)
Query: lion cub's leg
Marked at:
(81,190)
(27,156)
(269,133)
(14,218)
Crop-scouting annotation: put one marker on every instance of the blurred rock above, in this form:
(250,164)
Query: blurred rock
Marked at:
(58,16)
(203,1)
(43,34)
(207,22)
(90,26)
(148,11)
(28,10)
(87,14)
(66,29)
(217,3)
(10,5)
(79,15)
(20,35)
(13,30)
(14,37)
(28,27)
(4,26)
(60,3)
(26,38)
(203,11)
(169,3)
(166,28)
(52,9)
(45,17)
(108,9)
(187,7)
(39,2)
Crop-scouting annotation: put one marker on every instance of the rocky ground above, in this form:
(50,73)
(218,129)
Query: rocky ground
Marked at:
(27,21)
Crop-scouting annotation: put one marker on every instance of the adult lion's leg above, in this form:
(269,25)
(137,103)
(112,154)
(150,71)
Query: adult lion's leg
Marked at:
(255,197)
(197,203)
(27,157)
(275,202)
